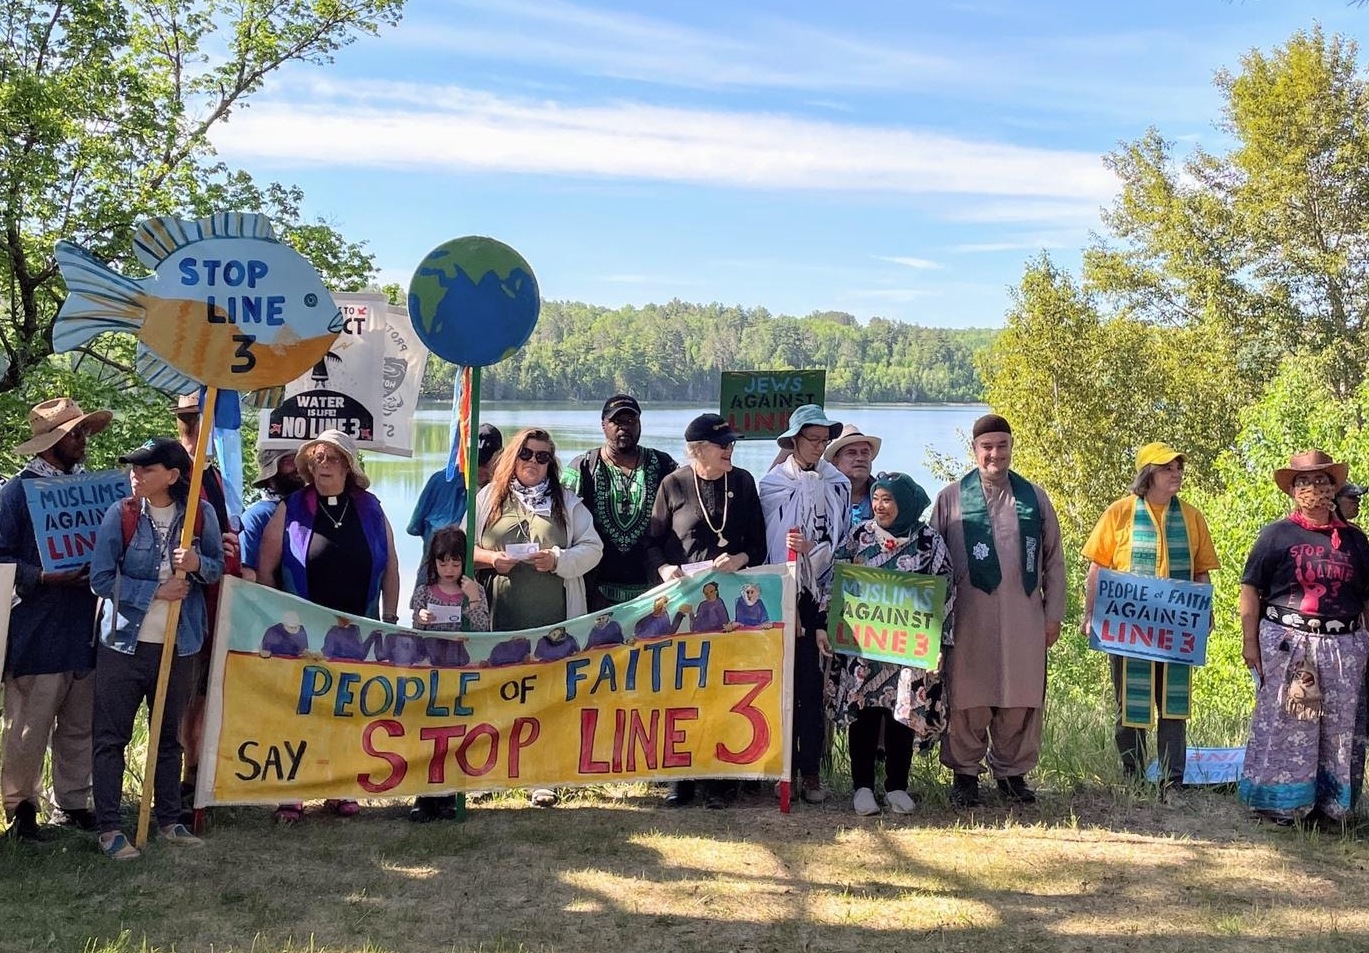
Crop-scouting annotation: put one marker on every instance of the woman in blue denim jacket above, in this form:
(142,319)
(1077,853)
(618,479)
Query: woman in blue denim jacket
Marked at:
(138,583)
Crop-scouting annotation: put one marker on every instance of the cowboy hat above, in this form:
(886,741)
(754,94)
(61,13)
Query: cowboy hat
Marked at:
(850,434)
(340,442)
(53,419)
(188,405)
(1310,461)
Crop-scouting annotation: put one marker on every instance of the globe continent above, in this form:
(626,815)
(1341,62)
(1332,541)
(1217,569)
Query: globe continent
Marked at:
(473,301)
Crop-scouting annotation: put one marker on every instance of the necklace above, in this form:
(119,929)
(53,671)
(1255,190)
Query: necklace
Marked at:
(722,540)
(337,523)
(623,483)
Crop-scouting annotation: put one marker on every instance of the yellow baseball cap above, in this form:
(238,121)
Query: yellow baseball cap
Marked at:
(1155,453)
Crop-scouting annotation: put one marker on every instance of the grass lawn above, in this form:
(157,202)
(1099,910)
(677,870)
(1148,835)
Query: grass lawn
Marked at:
(1102,868)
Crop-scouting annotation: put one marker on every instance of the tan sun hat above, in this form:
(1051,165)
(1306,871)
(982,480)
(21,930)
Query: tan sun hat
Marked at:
(268,463)
(53,419)
(850,434)
(1310,461)
(340,442)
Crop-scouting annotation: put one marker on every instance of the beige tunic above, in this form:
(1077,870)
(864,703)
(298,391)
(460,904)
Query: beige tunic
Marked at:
(999,659)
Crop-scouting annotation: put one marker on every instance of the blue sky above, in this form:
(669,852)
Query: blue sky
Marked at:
(901,159)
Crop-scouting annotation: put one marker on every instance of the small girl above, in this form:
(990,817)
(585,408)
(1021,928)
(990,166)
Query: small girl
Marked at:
(450,601)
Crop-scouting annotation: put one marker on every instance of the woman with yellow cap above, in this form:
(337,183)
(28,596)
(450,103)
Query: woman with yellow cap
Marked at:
(1151,532)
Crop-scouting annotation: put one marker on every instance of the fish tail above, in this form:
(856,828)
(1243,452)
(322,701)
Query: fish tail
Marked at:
(98,299)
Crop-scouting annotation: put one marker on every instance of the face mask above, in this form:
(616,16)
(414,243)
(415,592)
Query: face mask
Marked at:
(1314,497)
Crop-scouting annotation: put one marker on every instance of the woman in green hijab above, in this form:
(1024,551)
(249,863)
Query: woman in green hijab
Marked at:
(866,695)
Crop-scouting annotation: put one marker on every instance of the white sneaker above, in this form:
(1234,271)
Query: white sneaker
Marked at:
(865,803)
(900,802)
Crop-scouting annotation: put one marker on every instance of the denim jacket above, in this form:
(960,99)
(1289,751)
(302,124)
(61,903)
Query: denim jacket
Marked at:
(134,573)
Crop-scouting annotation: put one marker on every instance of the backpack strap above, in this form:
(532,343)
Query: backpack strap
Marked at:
(129,511)
(132,510)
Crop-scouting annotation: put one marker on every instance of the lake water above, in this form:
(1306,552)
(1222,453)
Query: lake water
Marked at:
(908,432)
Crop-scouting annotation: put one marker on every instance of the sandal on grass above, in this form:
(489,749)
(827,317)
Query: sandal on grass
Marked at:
(343,808)
(116,846)
(290,813)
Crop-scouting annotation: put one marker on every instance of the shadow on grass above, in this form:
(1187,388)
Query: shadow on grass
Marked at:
(1082,872)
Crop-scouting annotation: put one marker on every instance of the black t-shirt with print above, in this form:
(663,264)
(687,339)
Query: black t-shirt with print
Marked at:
(1296,568)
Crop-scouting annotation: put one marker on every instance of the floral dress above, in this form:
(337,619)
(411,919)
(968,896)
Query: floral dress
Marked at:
(915,696)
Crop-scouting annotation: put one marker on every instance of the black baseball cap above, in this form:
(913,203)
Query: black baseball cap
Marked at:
(489,442)
(169,453)
(1350,489)
(618,403)
(712,428)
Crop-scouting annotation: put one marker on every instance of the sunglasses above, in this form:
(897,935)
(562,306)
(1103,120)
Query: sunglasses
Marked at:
(541,456)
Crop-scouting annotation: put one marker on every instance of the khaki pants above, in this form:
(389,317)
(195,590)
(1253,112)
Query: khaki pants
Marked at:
(43,709)
(1009,737)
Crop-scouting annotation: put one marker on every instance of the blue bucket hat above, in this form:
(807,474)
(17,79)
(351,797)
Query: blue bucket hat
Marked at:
(809,415)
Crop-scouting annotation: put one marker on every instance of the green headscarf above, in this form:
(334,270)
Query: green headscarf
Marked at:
(910,499)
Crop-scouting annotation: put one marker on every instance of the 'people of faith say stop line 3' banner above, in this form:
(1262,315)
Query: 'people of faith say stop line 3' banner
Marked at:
(304,703)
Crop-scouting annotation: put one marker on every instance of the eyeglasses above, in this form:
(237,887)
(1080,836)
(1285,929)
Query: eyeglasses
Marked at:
(1318,479)
(326,457)
(541,456)
(816,441)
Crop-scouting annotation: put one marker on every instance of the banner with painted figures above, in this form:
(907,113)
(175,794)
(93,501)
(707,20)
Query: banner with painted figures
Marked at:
(66,513)
(366,385)
(689,680)
(886,615)
(1160,620)
(757,404)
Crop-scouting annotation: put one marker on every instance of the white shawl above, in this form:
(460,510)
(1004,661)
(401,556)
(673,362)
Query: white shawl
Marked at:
(818,502)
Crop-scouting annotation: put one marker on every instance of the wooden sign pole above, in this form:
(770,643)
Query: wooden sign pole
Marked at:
(173,618)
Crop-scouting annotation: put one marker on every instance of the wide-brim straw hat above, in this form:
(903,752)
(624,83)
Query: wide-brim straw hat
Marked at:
(53,419)
(1310,461)
(340,442)
(850,434)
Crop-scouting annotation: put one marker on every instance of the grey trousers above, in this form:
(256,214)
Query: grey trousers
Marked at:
(1171,734)
(122,682)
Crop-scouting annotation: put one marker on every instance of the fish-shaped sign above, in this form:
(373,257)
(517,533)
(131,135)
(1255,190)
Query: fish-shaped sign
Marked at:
(228,304)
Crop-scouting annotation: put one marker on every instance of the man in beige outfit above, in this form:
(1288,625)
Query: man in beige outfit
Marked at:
(49,686)
(1005,547)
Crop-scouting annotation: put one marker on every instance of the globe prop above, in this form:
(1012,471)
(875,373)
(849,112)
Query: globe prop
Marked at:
(473,301)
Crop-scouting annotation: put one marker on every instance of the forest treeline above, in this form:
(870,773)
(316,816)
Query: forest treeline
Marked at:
(675,351)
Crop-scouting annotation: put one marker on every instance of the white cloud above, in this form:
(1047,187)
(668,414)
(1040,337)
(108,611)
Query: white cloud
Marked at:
(747,51)
(923,264)
(1058,71)
(454,129)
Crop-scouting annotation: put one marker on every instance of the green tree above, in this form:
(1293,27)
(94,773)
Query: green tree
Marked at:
(106,107)
(1267,243)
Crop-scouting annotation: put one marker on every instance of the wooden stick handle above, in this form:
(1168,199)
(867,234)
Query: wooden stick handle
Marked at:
(173,618)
